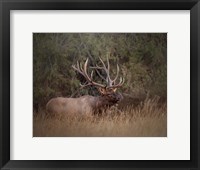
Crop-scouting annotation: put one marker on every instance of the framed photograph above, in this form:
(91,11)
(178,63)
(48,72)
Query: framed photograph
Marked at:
(93,84)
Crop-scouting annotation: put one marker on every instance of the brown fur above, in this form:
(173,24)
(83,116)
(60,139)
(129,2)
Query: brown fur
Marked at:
(85,105)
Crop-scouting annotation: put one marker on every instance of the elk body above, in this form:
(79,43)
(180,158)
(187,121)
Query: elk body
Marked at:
(88,105)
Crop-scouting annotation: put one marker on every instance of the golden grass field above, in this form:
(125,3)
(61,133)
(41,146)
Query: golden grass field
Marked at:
(149,119)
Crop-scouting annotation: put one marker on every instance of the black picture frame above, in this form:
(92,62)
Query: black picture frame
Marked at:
(7,5)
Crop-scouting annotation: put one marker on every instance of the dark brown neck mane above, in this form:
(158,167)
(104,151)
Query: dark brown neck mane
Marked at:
(104,102)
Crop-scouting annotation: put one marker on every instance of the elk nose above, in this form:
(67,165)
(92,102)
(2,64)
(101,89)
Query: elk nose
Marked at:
(120,97)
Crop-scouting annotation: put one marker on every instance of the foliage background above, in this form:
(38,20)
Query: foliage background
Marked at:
(142,58)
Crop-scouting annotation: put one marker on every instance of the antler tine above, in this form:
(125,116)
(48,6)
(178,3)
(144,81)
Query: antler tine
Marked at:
(91,75)
(121,82)
(104,66)
(79,66)
(109,79)
(99,68)
(84,85)
(78,69)
(116,75)
(74,67)
(109,82)
(85,71)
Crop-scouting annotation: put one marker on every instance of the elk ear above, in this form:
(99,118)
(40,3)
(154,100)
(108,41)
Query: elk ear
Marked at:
(114,89)
(102,90)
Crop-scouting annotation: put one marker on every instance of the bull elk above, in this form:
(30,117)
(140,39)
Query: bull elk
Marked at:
(87,104)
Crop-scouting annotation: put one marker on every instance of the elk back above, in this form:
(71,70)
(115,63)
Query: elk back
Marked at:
(71,106)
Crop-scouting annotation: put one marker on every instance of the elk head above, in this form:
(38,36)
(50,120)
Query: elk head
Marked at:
(108,95)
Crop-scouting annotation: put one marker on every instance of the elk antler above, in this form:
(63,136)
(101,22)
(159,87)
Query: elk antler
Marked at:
(110,83)
(84,73)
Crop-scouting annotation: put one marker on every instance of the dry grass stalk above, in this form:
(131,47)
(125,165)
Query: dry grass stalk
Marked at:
(149,119)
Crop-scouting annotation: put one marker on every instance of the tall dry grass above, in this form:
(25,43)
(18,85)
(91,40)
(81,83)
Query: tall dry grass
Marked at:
(149,119)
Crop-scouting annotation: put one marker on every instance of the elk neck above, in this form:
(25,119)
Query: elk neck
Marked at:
(108,100)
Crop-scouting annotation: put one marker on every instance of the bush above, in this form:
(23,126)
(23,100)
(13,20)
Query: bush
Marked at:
(142,59)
